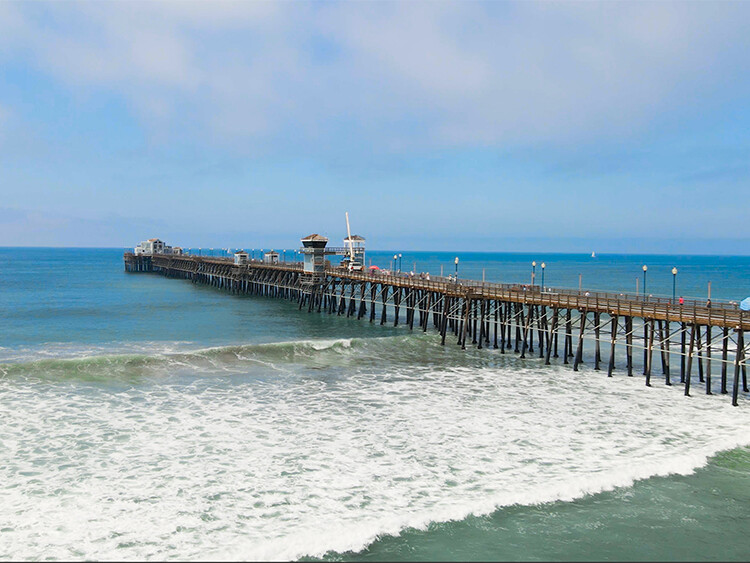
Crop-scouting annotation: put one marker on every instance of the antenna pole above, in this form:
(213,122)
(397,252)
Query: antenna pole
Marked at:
(351,245)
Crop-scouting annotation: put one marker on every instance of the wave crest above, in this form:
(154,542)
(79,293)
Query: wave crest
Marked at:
(107,366)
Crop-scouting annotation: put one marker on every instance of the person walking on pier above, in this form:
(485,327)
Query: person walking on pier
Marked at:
(682,301)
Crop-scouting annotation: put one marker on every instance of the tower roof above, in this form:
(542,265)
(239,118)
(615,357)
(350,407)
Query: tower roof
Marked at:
(315,237)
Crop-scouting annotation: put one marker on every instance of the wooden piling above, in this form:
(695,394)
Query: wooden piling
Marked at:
(690,361)
(597,339)
(579,352)
(613,339)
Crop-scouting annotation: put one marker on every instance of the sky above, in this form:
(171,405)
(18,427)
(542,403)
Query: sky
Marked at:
(508,126)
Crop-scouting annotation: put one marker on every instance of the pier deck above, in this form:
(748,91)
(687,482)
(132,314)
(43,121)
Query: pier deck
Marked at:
(504,316)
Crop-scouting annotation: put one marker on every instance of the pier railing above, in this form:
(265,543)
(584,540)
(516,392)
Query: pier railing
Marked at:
(719,313)
(723,314)
(516,314)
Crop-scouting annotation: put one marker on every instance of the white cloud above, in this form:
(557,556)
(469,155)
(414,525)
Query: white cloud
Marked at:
(389,74)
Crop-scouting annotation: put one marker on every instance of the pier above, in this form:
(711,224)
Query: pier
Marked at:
(527,320)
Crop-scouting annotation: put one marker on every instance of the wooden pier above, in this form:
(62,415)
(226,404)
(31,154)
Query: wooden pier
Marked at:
(508,317)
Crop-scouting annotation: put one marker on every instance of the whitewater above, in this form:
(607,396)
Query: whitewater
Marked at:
(290,449)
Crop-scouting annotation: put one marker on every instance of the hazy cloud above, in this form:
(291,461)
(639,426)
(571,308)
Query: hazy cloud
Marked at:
(23,227)
(387,74)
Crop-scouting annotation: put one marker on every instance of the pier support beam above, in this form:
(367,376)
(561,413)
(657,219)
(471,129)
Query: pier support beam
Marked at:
(613,339)
(579,351)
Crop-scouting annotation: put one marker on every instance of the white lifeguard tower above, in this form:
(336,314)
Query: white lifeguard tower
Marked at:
(354,259)
(271,257)
(354,249)
(314,253)
(241,258)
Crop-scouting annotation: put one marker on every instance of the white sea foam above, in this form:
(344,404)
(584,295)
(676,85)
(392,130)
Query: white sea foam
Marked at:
(240,469)
(75,350)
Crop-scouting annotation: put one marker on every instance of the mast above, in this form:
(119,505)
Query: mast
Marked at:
(351,244)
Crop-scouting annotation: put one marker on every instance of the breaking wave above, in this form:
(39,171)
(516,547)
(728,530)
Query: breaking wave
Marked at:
(407,433)
(324,352)
(113,365)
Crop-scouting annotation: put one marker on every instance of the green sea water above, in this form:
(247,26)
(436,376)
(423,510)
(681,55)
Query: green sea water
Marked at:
(147,418)
(699,517)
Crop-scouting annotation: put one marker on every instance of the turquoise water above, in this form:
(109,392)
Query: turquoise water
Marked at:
(147,418)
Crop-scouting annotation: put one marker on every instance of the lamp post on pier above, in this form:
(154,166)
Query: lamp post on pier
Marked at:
(395,262)
(399,261)
(543,267)
(456,263)
(533,272)
(674,284)
(645,269)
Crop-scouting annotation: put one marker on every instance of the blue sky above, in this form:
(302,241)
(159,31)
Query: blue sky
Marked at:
(619,127)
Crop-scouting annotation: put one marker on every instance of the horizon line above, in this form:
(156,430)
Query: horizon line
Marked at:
(584,253)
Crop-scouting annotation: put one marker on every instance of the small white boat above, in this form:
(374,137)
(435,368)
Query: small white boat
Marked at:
(593,254)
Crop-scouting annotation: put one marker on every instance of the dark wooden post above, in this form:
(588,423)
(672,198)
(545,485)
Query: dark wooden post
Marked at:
(683,354)
(690,361)
(465,327)
(613,338)
(737,362)
(579,352)
(373,289)
(699,344)
(444,325)
(650,349)
(660,326)
(474,306)
(597,348)
(744,362)
(667,371)
(568,336)
(497,313)
(724,346)
(519,319)
(384,296)
(629,344)
(708,360)
(503,318)
(396,303)
(645,346)
(542,330)
(481,324)
(552,329)
(530,334)
(524,345)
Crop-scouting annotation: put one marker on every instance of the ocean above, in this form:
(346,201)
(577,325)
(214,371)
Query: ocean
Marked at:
(149,418)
